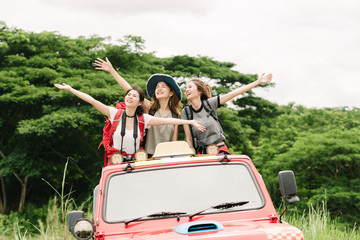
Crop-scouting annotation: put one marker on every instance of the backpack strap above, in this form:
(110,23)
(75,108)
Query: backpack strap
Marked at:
(135,131)
(115,123)
(144,132)
(210,110)
(138,122)
(107,144)
(142,128)
(123,129)
(189,113)
(189,116)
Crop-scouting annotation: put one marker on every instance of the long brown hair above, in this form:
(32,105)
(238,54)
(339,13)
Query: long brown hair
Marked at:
(202,87)
(174,102)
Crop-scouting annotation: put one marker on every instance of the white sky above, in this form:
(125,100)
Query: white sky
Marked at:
(311,47)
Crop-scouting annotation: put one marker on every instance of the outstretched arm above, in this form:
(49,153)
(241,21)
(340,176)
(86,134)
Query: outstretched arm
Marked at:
(261,80)
(87,98)
(107,66)
(155,121)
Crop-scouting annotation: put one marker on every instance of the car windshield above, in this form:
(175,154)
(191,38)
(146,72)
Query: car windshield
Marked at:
(180,189)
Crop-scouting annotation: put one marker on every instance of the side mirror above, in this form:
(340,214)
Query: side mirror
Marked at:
(288,188)
(73,216)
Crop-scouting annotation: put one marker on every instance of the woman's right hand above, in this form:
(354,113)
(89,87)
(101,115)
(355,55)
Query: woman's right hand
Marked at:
(264,79)
(103,65)
(63,86)
(198,125)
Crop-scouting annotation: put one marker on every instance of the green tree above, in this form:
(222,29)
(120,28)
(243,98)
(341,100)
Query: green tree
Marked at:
(321,147)
(30,115)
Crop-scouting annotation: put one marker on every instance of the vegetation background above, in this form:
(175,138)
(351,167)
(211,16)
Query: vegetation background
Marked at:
(44,129)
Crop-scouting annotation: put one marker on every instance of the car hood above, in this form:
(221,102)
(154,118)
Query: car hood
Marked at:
(231,230)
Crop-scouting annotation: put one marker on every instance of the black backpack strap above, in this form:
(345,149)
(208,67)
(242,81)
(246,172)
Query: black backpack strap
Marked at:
(135,132)
(189,116)
(211,112)
(123,128)
(189,113)
(209,109)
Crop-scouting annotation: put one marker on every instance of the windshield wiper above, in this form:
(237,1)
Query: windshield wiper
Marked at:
(154,215)
(221,206)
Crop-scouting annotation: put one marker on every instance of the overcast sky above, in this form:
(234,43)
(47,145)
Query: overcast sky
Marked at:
(311,47)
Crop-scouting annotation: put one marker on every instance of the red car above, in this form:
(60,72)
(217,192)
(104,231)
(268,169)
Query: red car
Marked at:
(179,196)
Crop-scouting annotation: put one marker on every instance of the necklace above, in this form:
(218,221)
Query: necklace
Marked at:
(129,116)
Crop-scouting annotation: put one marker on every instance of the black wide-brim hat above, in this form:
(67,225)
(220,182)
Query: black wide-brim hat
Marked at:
(154,79)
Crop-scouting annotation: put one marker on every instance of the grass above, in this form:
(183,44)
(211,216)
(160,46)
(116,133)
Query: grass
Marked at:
(54,227)
(316,224)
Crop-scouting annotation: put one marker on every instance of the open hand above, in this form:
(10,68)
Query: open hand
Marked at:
(103,65)
(265,79)
(198,125)
(63,86)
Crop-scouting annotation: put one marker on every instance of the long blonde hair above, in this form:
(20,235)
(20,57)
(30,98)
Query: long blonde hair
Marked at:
(174,102)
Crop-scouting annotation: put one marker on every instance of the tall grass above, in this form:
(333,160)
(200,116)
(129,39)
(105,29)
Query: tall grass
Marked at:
(55,225)
(316,224)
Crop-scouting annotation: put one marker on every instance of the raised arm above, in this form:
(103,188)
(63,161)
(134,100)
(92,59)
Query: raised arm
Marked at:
(87,98)
(107,66)
(261,80)
(156,121)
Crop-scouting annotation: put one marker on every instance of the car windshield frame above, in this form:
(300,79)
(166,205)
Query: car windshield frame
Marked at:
(190,184)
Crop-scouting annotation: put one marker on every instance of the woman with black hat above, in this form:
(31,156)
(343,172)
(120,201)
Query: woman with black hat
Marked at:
(165,102)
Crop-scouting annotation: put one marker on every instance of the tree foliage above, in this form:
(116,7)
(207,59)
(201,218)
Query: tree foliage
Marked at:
(322,147)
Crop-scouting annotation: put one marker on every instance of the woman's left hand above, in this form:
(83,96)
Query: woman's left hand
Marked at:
(198,125)
(103,65)
(265,79)
(63,86)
